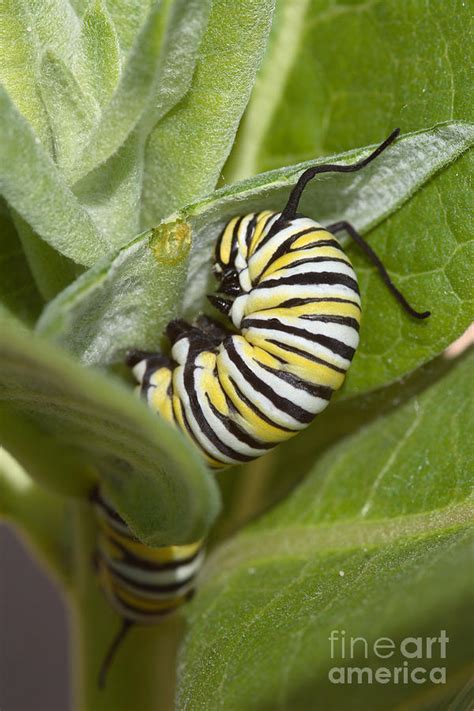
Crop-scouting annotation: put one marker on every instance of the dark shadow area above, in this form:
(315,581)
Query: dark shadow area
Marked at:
(34,657)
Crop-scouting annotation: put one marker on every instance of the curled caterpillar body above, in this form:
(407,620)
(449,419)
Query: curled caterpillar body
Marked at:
(143,584)
(292,295)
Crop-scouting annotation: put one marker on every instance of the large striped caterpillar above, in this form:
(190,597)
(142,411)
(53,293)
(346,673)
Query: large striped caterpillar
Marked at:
(236,391)
(292,297)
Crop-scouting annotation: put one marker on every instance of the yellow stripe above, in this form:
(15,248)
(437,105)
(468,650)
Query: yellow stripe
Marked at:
(294,256)
(163,554)
(211,387)
(305,368)
(140,603)
(257,234)
(251,421)
(262,302)
(226,241)
(312,237)
(329,308)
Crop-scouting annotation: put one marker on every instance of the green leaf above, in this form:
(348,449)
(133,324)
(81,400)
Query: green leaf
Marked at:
(157,73)
(335,76)
(365,199)
(17,289)
(185,26)
(128,17)
(284,43)
(71,111)
(100,57)
(33,186)
(111,193)
(19,67)
(124,109)
(59,421)
(375,542)
(187,149)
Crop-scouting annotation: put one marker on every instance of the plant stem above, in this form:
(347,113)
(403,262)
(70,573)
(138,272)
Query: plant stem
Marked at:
(142,675)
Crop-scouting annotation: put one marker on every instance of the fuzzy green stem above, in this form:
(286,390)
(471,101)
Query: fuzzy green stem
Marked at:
(142,674)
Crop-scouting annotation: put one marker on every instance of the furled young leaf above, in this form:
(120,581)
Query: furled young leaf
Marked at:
(187,149)
(126,105)
(335,76)
(60,420)
(54,26)
(128,17)
(365,199)
(375,542)
(185,26)
(111,193)
(19,67)
(100,57)
(71,111)
(156,74)
(33,186)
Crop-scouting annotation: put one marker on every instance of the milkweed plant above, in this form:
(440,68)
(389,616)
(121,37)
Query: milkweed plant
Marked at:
(131,132)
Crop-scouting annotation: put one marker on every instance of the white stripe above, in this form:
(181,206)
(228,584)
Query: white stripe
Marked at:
(263,404)
(309,291)
(218,427)
(205,443)
(156,577)
(314,349)
(345,334)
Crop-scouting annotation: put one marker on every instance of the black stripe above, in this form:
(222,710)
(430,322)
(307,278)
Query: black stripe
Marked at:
(270,234)
(336,346)
(323,243)
(312,279)
(305,354)
(285,246)
(312,260)
(234,248)
(329,318)
(143,613)
(110,513)
(147,565)
(202,422)
(286,406)
(250,230)
(289,303)
(322,391)
(237,431)
(152,365)
(253,407)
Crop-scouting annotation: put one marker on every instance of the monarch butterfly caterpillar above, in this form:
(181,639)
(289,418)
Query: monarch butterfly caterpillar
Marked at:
(143,584)
(292,297)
